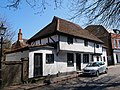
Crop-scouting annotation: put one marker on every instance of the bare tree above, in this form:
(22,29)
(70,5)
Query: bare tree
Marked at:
(39,5)
(105,12)
(9,33)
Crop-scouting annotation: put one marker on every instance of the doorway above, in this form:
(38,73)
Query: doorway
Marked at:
(37,64)
(78,61)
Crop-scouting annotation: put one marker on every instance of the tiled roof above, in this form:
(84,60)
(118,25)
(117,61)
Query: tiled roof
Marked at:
(26,48)
(59,25)
(19,44)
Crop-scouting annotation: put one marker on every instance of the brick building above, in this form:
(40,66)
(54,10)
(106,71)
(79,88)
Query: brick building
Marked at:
(20,41)
(115,39)
(111,39)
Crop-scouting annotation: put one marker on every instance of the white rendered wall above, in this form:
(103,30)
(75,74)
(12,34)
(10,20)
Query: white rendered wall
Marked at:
(115,58)
(46,40)
(59,65)
(31,62)
(98,50)
(104,54)
(95,58)
(78,45)
(16,56)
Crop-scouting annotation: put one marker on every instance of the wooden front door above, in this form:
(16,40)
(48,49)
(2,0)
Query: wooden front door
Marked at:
(78,61)
(38,64)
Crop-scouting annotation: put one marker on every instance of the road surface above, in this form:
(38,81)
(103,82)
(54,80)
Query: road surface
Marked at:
(109,81)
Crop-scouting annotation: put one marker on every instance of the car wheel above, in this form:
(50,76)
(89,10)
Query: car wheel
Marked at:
(106,70)
(97,73)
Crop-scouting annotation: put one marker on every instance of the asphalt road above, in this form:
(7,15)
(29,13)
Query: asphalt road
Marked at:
(109,81)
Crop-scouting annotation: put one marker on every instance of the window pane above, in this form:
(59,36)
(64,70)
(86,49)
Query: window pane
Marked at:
(97,45)
(85,43)
(119,43)
(70,40)
(85,58)
(70,59)
(49,58)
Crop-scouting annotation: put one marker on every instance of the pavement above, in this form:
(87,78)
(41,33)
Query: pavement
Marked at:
(35,85)
(30,86)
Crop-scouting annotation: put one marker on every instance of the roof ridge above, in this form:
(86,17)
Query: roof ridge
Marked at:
(55,17)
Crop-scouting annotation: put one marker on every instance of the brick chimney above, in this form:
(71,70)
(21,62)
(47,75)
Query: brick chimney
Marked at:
(20,35)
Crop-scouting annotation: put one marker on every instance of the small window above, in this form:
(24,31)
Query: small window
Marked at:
(70,59)
(49,58)
(115,43)
(40,41)
(119,43)
(70,40)
(92,58)
(85,58)
(85,43)
(97,45)
(97,58)
(104,58)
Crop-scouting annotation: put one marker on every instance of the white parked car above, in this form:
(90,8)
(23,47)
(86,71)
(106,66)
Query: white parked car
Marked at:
(95,68)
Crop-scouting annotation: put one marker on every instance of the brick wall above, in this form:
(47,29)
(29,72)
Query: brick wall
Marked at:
(115,38)
(14,72)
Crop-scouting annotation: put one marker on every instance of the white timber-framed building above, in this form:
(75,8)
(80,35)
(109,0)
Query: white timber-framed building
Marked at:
(60,47)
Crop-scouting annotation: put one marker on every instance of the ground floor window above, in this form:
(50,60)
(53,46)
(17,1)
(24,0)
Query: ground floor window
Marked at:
(92,58)
(49,58)
(104,58)
(97,58)
(117,58)
(70,59)
(85,58)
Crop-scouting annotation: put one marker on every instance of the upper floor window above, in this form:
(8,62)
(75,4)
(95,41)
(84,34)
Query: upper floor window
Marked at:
(70,40)
(115,43)
(97,45)
(119,43)
(49,58)
(85,43)
(70,59)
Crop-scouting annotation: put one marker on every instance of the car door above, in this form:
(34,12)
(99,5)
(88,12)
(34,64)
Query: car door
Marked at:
(100,68)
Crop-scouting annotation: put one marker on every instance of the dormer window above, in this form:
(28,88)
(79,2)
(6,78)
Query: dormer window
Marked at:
(69,40)
(85,43)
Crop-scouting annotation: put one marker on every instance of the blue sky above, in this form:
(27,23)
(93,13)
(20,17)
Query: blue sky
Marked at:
(26,19)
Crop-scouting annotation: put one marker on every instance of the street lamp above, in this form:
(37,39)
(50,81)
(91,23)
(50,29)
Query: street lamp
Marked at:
(2,32)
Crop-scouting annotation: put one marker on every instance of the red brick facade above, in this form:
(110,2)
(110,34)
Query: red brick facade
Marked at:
(115,39)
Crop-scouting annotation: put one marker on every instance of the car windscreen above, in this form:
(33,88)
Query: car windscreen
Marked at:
(93,65)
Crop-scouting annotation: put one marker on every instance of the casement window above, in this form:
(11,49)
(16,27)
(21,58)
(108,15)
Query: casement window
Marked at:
(119,43)
(70,59)
(69,40)
(85,58)
(104,58)
(40,41)
(92,58)
(97,58)
(115,43)
(97,45)
(49,58)
(85,43)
